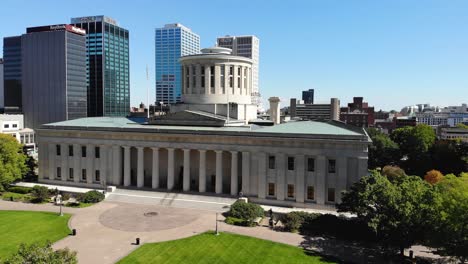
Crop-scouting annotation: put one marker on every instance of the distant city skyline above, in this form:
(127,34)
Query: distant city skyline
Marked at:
(392,53)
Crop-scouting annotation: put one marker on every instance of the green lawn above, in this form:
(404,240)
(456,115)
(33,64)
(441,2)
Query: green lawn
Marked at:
(225,248)
(18,227)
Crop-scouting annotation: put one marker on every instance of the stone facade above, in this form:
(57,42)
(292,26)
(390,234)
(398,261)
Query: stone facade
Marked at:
(268,165)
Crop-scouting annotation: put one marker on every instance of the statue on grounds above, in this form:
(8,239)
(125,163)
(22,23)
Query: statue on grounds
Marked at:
(58,199)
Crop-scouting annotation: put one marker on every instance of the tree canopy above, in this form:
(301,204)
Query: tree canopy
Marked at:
(12,160)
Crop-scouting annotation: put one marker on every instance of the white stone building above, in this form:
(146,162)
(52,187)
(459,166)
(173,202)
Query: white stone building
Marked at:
(294,164)
(14,125)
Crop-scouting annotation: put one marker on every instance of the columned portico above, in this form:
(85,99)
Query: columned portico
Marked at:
(127,169)
(155,171)
(219,172)
(186,179)
(202,171)
(170,169)
(234,179)
(140,170)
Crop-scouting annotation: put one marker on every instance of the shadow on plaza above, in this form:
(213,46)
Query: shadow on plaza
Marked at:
(339,251)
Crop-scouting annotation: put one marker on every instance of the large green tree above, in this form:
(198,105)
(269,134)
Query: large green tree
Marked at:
(397,211)
(12,160)
(415,143)
(383,151)
(451,232)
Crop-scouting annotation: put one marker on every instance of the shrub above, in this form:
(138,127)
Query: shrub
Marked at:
(36,253)
(238,222)
(20,189)
(91,197)
(65,196)
(293,221)
(10,196)
(246,211)
(40,194)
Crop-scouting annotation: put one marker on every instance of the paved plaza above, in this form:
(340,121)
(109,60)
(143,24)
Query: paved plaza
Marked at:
(106,232)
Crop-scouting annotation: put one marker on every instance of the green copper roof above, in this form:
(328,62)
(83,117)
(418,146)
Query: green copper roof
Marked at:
(300,128)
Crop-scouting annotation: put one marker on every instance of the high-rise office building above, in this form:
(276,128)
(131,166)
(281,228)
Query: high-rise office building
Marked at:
(2,102)
(246,46)
(53,74)
(107,62)
(12,74)
(172,42)
(308,96)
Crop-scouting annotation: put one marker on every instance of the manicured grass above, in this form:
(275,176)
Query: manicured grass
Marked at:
(225,248)
(18,227)
(16,196)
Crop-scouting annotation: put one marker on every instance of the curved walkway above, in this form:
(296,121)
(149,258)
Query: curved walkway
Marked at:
(106,232)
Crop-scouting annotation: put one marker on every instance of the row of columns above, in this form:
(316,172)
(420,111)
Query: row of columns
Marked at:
(191,87)
(186,170)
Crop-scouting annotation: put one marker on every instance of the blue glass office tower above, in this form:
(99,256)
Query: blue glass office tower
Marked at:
(12,74)
(171,42)
(107,50)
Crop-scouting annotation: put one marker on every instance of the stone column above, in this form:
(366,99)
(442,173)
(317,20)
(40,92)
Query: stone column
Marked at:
(280,175)
(219,172)
(42,157)
(245,173)
(170,169)
(116,165)
(127,170)
(262,166)
(300,172)
(103,162)
(64,159)
(320,173)
(235,89)
(90,156)
(198,79)
(155,172)
(140,168)
(207,79)
(76,163)
(186,180)
(191,84)
(341,180)
(202,172)
(217,79)
(234,174)
(52,157)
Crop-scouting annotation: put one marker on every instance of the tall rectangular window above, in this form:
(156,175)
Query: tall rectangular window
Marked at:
(83,174)
(230,81)
(222,76)
(58,150)
(70,150)
(331,166)
(271,162)
(59,173)
(290,191)
(97,152)
(271,189)
(231,70)
(212,78)
(310,193)
(310,164)
(83,151)
(70,173)
(290,163)
(331,195)
(97,176)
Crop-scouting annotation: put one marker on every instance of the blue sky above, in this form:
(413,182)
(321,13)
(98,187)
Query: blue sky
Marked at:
(394,53)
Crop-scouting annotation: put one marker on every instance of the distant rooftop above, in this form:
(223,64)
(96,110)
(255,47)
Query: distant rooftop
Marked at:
(175,25)
(94,19)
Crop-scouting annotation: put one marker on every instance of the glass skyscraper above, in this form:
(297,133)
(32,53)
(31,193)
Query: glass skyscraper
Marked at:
(12,74)
(171,42)
(107,49)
